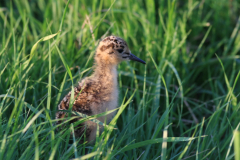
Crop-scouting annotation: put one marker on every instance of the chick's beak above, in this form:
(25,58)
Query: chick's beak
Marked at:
(135,58)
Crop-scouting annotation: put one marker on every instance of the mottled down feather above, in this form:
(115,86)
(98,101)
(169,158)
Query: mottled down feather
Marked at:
(84,95)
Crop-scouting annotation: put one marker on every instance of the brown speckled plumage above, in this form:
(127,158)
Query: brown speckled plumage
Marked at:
(98,93)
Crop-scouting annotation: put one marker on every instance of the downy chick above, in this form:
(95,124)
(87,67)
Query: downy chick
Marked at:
(99,92)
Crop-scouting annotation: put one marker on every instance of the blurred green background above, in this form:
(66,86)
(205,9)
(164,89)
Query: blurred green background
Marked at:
(186,104)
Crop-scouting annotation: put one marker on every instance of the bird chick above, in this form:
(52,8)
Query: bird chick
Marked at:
(99,92)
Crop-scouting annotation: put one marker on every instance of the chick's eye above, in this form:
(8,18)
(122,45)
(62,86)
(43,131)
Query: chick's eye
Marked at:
(120,50)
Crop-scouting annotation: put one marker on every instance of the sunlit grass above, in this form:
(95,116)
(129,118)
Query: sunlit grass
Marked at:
(183,104)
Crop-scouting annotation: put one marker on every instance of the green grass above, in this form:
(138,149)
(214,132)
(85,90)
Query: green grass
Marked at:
(183,104)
